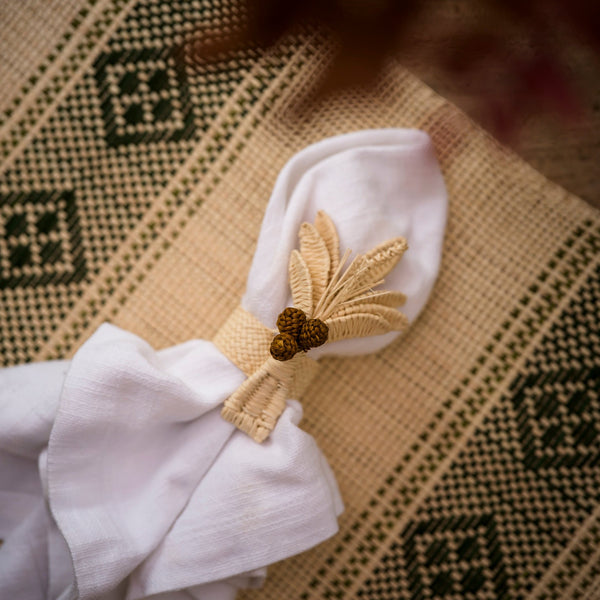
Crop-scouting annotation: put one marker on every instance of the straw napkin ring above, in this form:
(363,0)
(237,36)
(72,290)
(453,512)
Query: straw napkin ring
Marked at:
(332,300)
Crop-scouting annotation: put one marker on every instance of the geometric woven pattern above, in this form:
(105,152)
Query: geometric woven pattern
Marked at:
(456,557)
(132,187)
(144,96)
(40,239)
(522,486)
(556,400)
(109,148)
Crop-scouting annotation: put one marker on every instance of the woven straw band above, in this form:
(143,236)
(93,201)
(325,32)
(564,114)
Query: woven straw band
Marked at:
(257,404)
(332,300)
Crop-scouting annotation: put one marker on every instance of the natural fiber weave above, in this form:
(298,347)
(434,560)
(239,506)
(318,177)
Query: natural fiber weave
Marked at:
(467,453)
(257,404)
(244,340)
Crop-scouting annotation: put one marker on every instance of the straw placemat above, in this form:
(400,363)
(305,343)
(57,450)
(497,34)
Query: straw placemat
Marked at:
(132,190)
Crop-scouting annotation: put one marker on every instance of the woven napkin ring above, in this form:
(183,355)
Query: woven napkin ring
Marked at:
(331,302)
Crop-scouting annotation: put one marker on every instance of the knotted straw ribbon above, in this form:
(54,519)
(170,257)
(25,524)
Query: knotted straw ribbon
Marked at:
(331,302)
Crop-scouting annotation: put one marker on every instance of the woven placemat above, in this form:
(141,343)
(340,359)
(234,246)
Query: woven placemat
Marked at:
(132,189)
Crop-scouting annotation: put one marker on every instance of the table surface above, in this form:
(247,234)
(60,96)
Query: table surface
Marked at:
(568,153)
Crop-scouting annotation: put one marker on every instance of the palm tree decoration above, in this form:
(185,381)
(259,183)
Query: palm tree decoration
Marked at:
(331,302)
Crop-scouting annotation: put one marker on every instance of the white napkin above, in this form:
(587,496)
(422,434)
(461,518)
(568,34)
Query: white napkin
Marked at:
(118,477)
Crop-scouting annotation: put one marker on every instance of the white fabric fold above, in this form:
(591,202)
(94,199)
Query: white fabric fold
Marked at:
(375,185)
(120,480)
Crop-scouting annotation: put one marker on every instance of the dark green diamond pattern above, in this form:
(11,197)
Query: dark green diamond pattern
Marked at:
(556,400)
(527,480)
(144,96)
(114,142)
(40,239)
(456,557)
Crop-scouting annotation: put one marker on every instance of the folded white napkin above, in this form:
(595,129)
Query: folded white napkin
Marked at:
(119,479)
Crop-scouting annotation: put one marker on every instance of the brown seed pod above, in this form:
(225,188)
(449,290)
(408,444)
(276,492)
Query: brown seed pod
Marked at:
(313,333)
(291,321)
(283,346)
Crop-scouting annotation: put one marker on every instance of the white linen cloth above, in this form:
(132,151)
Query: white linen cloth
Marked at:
(118,477)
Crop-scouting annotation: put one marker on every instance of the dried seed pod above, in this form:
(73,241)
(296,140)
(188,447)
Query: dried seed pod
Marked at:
(313,333)
(291,321)
(283,346)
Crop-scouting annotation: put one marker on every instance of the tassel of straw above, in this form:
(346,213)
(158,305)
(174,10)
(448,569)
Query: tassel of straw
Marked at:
(258,403)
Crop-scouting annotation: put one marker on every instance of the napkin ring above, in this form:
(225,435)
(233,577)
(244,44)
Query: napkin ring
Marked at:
(331,302)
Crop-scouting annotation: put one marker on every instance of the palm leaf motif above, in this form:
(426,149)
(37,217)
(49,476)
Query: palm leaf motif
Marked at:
(386,312)
(386,298)
(300,283)
(316,255)
(356,325)
(328,232)
(381,260)
(325,290)
(366,319)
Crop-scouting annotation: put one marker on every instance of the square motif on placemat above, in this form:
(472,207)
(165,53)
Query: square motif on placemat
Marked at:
(40,239)
(144,96)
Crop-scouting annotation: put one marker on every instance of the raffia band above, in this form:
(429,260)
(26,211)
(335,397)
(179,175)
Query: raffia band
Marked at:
(244,340)
(257,404)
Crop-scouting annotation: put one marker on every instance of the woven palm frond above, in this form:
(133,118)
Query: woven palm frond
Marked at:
(395,319)
(300,283)
(316,256)
(342,295)
(381,260)
(356,325)
(328,232)
(384,297)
